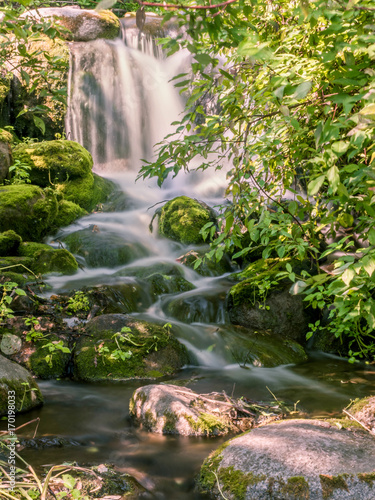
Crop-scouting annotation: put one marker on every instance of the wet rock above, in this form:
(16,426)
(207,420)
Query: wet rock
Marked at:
(165,268)
(28,210)
(6,159)
(119,298)
(48,260)
(103,249)
(258,348)
(119,347)
(17,381)
(9,243)
(364,411)
(293,459)
(198,306)
(182,218)
(169,409)
(263,302)
(82,25)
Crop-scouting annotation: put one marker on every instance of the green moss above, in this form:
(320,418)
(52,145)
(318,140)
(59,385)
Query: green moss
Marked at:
(182,218)
(149,422)
(296,488)
(152,350)
(331,483)
(5,136)
(53,162)
(344,423)
(44,369)
(236,482)
(209,425)
(206,480)
(16,264)
(49,260)
(368,478)
(107,22)
(87,191)
(358,405)
(14,277)
(9,243)
(68,213)
(170,422)
(27,210)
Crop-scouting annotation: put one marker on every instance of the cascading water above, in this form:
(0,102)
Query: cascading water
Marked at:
(121,104)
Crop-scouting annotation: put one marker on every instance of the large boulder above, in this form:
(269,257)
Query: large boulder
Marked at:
(170,409)
(28,210)
(292,459)
(17,382)
(119,347)
(182,218)
(47,259)
(88,192)
(81,25)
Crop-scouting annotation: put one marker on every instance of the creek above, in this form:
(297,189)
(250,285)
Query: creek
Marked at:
(121,103)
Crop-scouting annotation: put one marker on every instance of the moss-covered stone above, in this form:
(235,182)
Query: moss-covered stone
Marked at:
(182,218)
(100,248)
(49,361)
(28,210)
(9,243)
(17,264)
(18,382)
(150,349)
(49,260)
(87,191)
(54,162)
(68,213)
(14,277)
(208,424)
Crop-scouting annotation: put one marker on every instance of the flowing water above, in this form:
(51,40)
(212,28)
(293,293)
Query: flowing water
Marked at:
(121,104)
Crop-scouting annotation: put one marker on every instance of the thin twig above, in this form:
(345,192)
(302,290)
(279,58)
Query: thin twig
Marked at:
(358,422)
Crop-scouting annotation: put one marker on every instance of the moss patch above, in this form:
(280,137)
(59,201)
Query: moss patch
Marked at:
(209,425)
(49,260)
(46,369)
(27,210)
(87,191)
(9,243)
(68,213)
(368,478)
(53,162)
(331,483)
(182,218)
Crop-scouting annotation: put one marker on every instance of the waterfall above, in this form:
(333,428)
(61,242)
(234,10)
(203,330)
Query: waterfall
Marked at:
(121,101)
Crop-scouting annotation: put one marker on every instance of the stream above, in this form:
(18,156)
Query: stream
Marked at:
(121,104)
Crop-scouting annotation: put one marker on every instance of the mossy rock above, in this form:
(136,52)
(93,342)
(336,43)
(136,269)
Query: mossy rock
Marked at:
(18,278)
(28,210)
(54,162)
(17,382)
(87,191)
(291,460)
(152,351)
(161,284)
(9,243)
(262,300)
(68,213)
(182,218)
(100,248)
(49,260)
(16,264)
(82,25)
(52,368)
(119,298)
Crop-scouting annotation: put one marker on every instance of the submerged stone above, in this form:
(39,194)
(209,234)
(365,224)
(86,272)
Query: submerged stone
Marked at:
(119,298)
(100,248)
(182,218)
(170,409)
(293,459)
(18,382)
(119,347)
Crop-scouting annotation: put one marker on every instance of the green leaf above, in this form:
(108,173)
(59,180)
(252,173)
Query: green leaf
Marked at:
(314,185)
(371,236)
(369,266)
(340,147)
(39,123)
(347,276)
(297,287)
(368,111)
(333,177)
(302,90)
(203,59)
